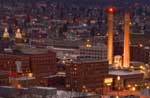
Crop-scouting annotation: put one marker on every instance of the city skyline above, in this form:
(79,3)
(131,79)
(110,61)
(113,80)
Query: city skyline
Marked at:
(74,49)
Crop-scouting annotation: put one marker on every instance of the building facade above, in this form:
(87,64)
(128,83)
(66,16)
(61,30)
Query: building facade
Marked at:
(93,53)
(21,65)
(86,76)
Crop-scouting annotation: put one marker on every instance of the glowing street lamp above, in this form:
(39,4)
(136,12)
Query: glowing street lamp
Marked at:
(133,89)
(118,78)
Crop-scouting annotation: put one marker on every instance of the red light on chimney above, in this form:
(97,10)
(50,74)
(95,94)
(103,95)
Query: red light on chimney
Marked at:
(111,10)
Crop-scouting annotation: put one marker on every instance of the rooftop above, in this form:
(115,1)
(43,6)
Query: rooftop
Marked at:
(124,73)
(88,61)
(33,50)
(25,51)
(72,94)
(22,78)
(45,88)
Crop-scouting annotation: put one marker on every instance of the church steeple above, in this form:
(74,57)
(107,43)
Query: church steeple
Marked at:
(6,34)
(18,36)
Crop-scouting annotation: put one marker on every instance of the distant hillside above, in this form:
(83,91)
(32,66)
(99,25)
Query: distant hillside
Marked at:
(103,2)
(85,2)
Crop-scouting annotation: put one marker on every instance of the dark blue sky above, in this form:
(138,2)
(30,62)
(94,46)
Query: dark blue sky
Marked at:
(90,2)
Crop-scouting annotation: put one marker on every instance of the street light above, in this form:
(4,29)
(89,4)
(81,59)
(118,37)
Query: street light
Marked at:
(129,86)
(18,86)
(136,85)
(118,78)
(141,45)
(133,89)
(117,96)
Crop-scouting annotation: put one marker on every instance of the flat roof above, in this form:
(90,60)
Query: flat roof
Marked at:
(23,78)
(67,94)
(53,76)
(88,61)
(33,50)
(61,49)
(123,73)
(45,88)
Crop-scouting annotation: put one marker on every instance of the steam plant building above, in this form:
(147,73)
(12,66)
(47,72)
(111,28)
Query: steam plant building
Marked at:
(125,59)
(121,64)
(86,76)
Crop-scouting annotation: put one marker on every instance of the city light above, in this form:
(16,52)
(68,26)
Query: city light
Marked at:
(136,85)
(108,81)
(19,86)
(133,89)
(128,86)
(117,96)
(88,45)
(30,75)
(142,67)
(141,45)
(78,48)
(118,78)
(111,10)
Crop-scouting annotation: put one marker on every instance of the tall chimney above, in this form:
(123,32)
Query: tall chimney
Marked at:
(110,36)
(126,54)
